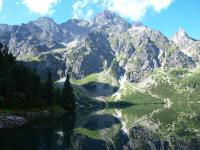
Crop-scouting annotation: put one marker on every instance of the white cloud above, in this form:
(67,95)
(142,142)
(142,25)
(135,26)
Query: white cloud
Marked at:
(132,9)
(89,13)
(82,9)
(158,5)
(1,5)
(42,7)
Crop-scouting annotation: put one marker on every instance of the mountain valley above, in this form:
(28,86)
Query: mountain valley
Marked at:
(144,87)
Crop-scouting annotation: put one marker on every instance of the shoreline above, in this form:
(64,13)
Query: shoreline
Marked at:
(18,117)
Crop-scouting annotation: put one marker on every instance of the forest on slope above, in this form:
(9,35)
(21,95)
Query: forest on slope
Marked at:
(21,87)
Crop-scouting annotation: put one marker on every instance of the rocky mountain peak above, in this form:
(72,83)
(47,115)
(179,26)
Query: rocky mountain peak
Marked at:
(108,19)
(181,33)
(49,28)
(43,21)
(75,23)
(182,39)
(76,43)
(46,24)
(106,15)
(138,24)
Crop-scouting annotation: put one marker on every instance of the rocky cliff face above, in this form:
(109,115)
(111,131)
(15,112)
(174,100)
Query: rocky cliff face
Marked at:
(182,39)
(85,47)
(186,44)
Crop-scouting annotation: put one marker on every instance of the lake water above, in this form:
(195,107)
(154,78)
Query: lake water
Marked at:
(130,127)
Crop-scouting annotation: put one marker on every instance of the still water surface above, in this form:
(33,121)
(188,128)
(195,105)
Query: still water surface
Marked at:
(99,129)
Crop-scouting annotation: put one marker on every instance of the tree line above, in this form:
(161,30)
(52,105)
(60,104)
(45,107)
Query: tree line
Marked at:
(22,87)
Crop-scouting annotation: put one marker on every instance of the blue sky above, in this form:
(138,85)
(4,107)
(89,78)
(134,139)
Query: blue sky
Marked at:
(164,15)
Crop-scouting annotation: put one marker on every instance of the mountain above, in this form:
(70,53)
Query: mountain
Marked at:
(182,39)
(107,42)
(108,20)
(187,44)
(146,84)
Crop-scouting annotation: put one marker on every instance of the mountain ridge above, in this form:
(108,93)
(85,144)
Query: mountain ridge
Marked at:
(85,47)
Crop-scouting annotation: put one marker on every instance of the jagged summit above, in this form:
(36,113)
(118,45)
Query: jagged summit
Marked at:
(47,24)
(43,21)
(75,22)
(182,31)
(88,47)
(106,14)
(181,38)
(109,18)
(138,24)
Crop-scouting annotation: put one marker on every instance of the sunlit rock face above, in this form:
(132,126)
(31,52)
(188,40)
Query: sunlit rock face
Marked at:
(188,45)
(85,47)
(182,39)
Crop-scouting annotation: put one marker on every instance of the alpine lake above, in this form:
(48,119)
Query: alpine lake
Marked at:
(154,121)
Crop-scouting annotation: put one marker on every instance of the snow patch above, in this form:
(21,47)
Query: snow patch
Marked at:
(122,85)
(60,133)
(61,80)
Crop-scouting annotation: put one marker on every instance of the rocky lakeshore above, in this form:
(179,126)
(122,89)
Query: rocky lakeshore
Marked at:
(11,121)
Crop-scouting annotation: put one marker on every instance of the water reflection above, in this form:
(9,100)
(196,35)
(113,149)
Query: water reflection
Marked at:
(100,128)
(49,134)
(90,128)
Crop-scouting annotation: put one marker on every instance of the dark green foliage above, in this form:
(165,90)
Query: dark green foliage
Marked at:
(57,96)
(48,89)
(19,86)
(22,87)
(68,98)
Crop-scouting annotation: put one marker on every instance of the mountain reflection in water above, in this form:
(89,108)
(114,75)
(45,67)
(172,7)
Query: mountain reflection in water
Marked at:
(103,128)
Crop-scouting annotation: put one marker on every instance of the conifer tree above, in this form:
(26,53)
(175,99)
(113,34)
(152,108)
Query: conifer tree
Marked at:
(68,98)
(49,89)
